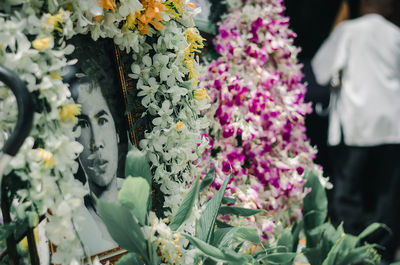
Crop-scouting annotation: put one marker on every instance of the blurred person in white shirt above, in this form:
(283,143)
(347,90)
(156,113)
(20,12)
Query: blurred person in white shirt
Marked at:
(364,121)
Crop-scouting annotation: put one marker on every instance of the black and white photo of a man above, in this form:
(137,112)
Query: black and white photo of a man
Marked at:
(95,85)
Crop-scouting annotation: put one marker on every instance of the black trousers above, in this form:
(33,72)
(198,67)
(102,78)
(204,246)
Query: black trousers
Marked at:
(367,190)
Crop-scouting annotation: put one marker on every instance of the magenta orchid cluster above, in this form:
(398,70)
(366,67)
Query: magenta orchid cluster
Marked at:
(257,130)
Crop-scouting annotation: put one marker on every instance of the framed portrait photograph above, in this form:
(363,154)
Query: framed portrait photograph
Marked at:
(97,82)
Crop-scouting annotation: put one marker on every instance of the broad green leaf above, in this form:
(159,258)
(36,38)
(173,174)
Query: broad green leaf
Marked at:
(286,240)
(212,251)
(280,258)
(372,228)
(323,235)
(228,200)
(123,227)
(333,254)
(297,227)
(242,233)
(340,250)
(239,211)
(356,254)
(208,179)
(221,224)
(229,253)
(186,207)
(320,241)
(314,201)
(219,234)
(247,233)
(130,259)
(137,165)
(207,219)
(134,195)
(313,255)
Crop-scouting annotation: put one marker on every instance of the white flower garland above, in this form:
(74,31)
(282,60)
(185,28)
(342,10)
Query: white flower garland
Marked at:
(33,44)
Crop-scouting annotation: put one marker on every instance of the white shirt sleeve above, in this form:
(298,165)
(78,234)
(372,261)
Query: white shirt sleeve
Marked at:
(332,55)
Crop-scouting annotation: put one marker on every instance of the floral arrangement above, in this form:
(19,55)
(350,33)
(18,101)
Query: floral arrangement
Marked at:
(257,127)
(162,41)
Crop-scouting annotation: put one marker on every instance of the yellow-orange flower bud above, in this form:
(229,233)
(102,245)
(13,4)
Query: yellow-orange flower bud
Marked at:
(47,157)
(108,4)
(55,20)
(69,112)
(55,75)
(179,125)
(201,94)
(42,43)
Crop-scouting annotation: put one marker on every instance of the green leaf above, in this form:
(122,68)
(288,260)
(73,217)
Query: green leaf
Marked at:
(208,179)
(186,207)
(356,254)
(244,258)
(134,195)
(372,228)
(221,224)
(286,241)
(313,255)
(314,201)
(320,241)
(219,234)
(340,250)
(279,258)
(297,227)
(214,252)
(137,165)
(241,232)
(239,211)
(247,233)
(207,219)
(130,259)
(228,200)
(323,235)
(123,227)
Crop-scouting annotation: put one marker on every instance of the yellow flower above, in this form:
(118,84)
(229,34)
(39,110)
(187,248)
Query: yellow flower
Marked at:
(55,20)
(42,43)
(201,94)
(131,20)
(47,157)
(69,112)
(194,40)
(55,76)
(174,8)
(190,62)
(179,125)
